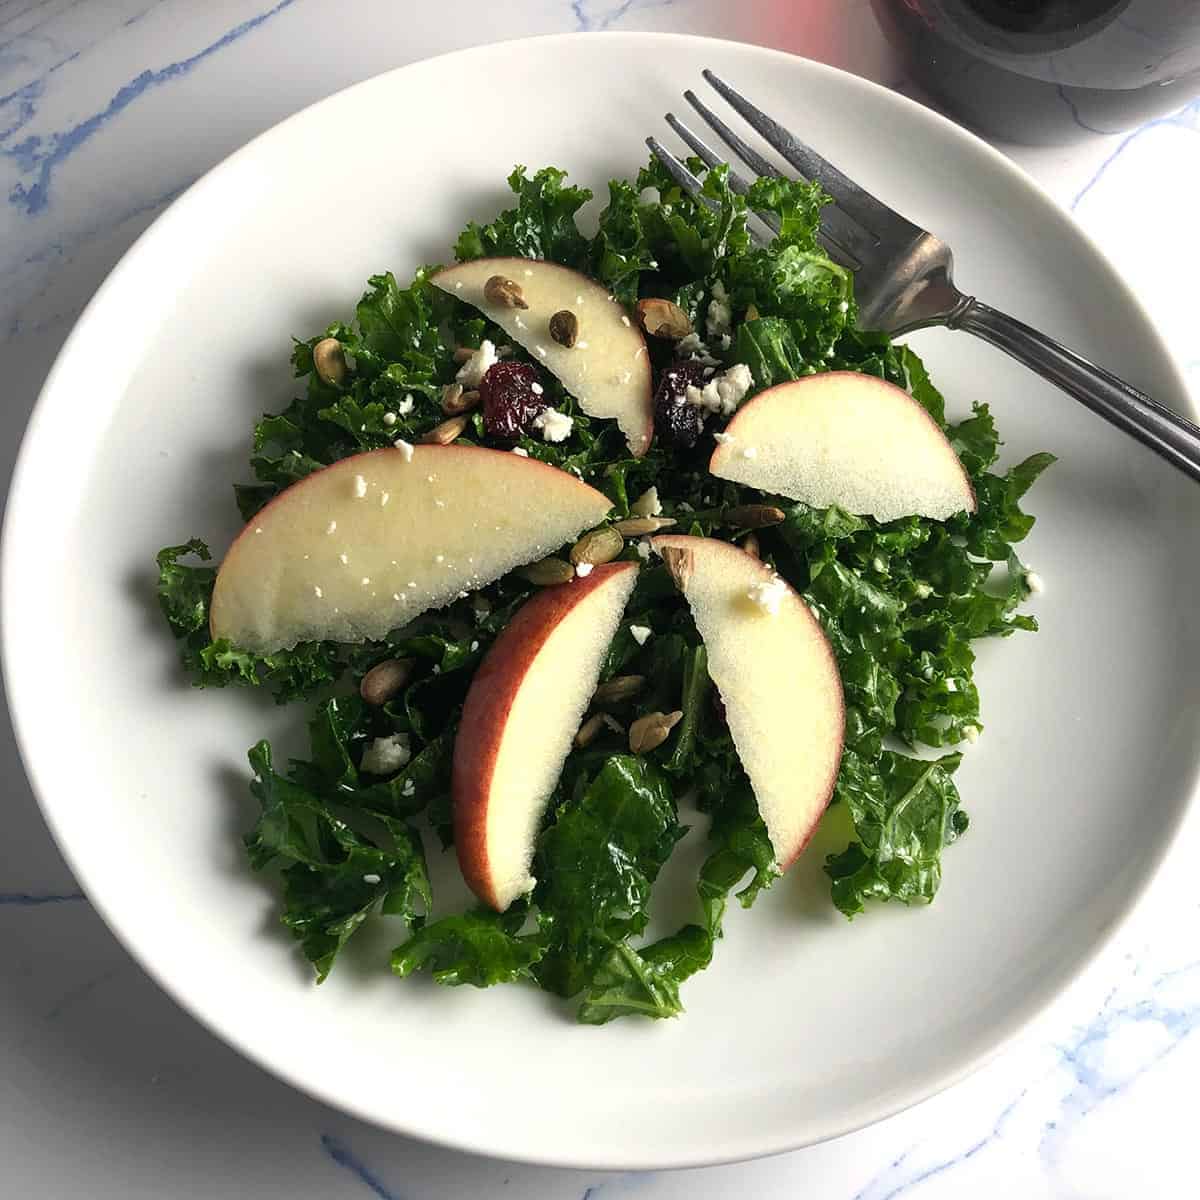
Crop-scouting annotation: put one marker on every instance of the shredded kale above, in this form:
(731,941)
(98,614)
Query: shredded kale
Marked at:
(901,602)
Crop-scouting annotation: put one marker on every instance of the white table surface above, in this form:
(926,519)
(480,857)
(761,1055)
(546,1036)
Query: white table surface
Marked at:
(108,109)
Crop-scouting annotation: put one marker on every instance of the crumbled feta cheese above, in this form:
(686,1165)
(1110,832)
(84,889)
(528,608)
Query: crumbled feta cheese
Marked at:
(536,388)
(722,393)
(386,754)
(879,565)
(971,733)
(406,405)
(555,426)
(583,569)
(344,559)
(258,529)
(520,450)
(384,498)
(371,877)
(952,685)
(732,386)
(440,558)
(625,322)
(750,452)
(317,592)
(768,595)
(405,448)
(365,580)
(389,419)
(643,550)
(582,345)
(528,271)
(360,487)
(409,788)
(474,369)
(640,633)
(474,647)
(726,341)
(922,590)
(331,527)
(722,438)
(647,504)
(1035,583)
(720,315)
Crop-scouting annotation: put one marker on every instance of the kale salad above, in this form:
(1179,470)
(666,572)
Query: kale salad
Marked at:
(345,832)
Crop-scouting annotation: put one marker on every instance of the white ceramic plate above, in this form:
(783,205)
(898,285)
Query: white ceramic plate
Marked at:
(805,1026)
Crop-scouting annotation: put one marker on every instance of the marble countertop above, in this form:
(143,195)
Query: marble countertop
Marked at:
(110,108)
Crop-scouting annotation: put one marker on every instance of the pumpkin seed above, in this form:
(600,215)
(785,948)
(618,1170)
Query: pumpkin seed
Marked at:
(446,432)
(649,732)
(547,572)
(505,292)
(385,680)
(637,526)
(753,516)
(564,327)
(663,318)
(598,546)
(456,401)
(619,689)
(589,730)
(329,361)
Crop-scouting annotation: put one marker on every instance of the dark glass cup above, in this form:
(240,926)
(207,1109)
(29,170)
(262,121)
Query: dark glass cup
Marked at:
(1050,71)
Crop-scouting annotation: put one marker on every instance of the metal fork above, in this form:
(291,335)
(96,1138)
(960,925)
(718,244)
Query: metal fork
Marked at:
(903,276)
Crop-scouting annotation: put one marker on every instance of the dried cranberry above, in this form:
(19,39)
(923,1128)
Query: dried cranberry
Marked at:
(675,420)
(509,400)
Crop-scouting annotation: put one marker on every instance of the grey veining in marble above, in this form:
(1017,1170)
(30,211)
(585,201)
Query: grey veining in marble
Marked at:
(110,108)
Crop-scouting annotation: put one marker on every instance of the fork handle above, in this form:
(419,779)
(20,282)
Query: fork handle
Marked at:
(1166,433)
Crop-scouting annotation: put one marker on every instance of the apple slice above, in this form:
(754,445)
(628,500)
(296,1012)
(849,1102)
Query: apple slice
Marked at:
(519,719)
(607,369)
(366,545)
(847,439)
(777,677)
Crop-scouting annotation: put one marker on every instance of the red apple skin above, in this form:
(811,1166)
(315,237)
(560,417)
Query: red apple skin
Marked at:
(347,464)
(485,713)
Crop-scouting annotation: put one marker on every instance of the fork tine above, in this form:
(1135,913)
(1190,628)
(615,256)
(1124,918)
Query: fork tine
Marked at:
(690,184)
(841,233)
(739,183)
(748,155)
(679,172)
(703,150)
(855,201)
